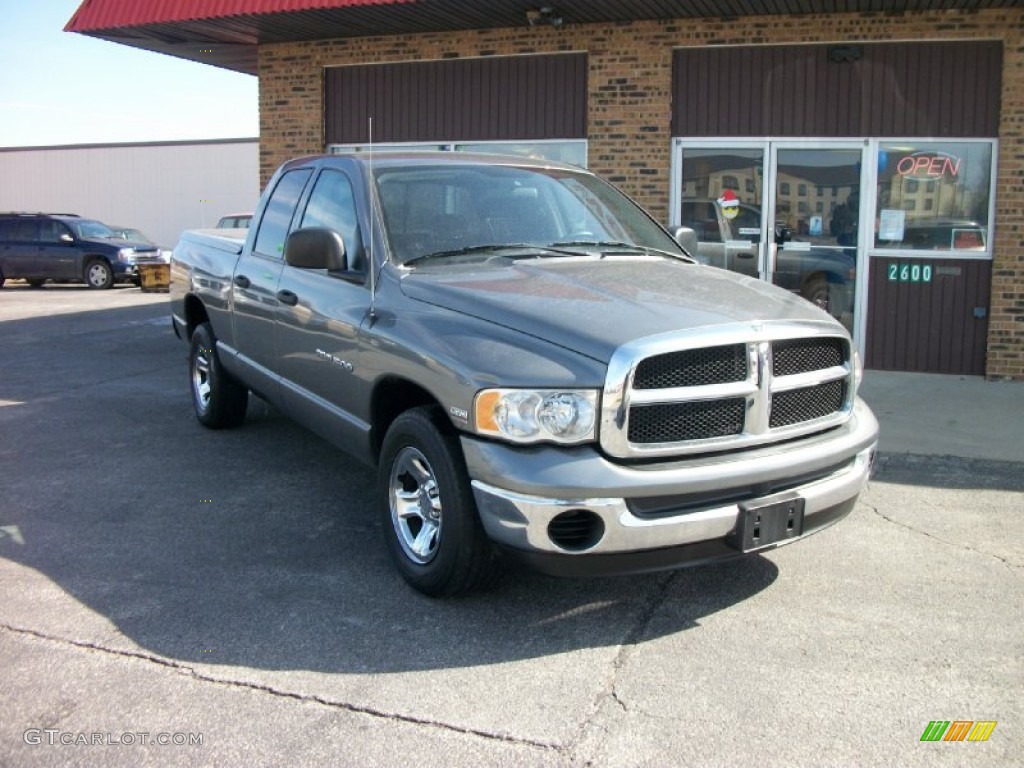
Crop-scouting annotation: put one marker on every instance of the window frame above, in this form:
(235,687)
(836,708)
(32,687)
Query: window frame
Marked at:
(294,173)
(878,145)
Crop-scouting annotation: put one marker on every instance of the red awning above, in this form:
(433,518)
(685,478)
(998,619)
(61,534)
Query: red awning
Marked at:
(96,15)
(227,33)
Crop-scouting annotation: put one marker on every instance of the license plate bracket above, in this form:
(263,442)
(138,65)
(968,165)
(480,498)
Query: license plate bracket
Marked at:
(762,525)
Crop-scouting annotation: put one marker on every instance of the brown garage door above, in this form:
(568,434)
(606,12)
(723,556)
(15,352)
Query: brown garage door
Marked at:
(487,99)
(948,89)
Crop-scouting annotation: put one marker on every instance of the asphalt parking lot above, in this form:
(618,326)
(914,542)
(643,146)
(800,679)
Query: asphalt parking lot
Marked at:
(175,596)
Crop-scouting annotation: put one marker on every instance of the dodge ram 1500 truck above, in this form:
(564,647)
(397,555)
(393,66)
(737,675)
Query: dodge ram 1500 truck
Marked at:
(532,363)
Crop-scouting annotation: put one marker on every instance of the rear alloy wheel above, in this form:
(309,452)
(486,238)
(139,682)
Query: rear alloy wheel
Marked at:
(98,274)
(430,521)
(219,401)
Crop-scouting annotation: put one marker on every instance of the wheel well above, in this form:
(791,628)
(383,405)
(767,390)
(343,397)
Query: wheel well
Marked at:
(391,398)
(828,277)
(195,314)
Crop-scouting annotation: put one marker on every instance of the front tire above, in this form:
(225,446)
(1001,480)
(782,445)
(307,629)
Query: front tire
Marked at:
(429,516)
(816,290)
(98,275)
(219,401)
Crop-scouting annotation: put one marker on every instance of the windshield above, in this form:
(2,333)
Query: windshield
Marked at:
(446,209)
(132,234)
(90,228)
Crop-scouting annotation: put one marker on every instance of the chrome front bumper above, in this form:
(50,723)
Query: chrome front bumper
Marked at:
(514,514)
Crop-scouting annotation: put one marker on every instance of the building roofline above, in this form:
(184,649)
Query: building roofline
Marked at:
(129,144)
(227,33)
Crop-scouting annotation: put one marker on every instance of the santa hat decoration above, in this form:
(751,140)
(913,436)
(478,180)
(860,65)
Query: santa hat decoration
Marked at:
(729,204)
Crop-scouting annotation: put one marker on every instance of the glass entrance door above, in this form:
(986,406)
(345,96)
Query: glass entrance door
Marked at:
(721,196)
(788,212)
(815,204)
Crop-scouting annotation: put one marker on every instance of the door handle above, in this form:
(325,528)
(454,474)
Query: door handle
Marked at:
(242,281)
(287,297)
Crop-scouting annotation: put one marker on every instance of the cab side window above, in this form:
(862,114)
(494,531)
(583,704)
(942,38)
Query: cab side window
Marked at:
(278,214)
(332,205)
(50,231)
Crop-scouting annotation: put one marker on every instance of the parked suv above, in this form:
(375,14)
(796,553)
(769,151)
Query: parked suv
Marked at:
(66,248)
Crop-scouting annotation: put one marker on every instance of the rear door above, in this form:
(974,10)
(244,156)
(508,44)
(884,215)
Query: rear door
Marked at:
(20,250)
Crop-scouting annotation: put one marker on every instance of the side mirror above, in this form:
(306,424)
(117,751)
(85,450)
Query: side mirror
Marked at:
(783,234)
(66,238)
(687,239)
(315,248)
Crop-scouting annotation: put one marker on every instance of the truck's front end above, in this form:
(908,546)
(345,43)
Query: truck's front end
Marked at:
(705,445)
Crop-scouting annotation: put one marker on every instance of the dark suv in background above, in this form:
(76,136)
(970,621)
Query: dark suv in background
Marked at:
(66,248)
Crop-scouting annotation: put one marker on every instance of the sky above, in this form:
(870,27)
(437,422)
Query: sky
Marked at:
(62,88)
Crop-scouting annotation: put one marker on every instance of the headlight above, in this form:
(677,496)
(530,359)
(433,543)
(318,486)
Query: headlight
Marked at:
(127,254)
(536,415)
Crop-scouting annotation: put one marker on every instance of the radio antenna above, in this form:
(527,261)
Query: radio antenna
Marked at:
(371,249)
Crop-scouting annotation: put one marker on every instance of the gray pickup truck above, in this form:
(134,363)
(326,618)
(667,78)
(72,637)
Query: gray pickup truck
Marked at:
(535,367)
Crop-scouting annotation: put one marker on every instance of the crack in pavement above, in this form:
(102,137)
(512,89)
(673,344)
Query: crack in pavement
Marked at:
(1011,566)
(609,692)
(191,672)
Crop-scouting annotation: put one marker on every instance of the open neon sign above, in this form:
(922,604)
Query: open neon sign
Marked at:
(929,165)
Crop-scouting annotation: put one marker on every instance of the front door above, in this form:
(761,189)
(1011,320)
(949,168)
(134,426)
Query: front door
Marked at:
(786,212)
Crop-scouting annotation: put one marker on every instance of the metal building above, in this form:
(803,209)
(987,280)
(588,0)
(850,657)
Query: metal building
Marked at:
(160,188)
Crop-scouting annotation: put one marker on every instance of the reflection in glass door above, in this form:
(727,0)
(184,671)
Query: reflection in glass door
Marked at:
(816,211)
(785,211)
(720,193)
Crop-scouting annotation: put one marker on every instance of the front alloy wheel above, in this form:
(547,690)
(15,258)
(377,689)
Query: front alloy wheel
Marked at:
(415,506)
(428,514)
(99,275)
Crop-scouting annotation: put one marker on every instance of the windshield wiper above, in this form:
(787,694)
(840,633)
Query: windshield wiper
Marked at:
(619,244)
(492,247)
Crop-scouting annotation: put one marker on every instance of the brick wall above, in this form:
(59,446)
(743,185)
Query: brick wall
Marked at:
(629,102)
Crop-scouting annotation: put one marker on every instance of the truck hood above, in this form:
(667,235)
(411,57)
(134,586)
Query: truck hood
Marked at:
(593,305)
(135,245)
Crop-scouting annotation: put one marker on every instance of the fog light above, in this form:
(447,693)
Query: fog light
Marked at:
(576,530)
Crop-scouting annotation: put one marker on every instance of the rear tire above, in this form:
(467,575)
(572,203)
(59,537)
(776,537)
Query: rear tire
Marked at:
(35,283)
(429,517)
(219,401)
(98,275)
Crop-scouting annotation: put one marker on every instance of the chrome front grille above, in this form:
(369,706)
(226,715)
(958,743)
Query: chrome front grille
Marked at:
(699,420)
(791,356)
(692,367)
(740,387)
(807,404)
